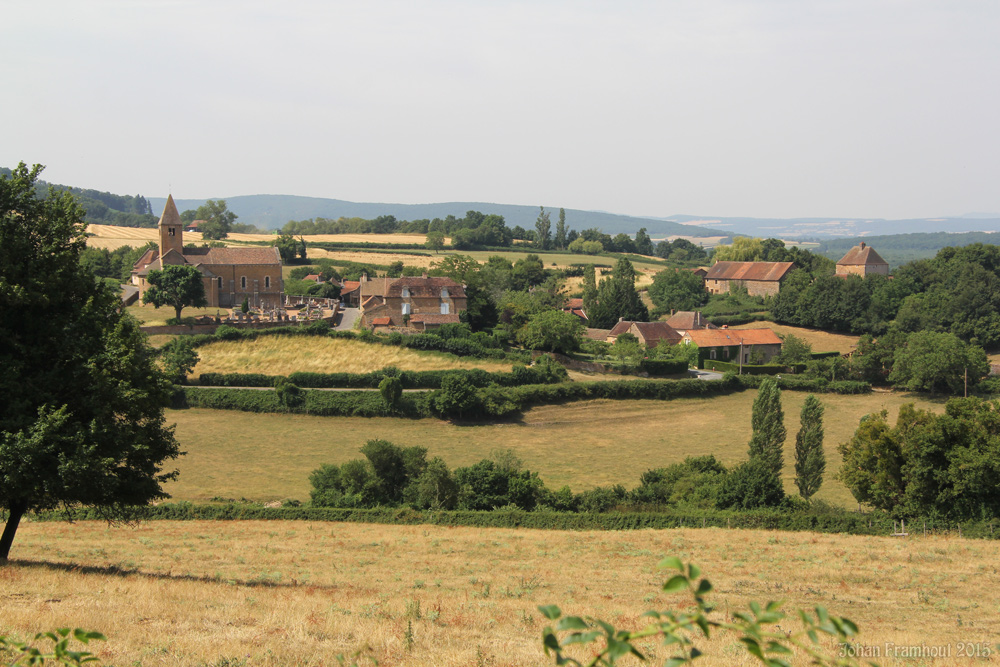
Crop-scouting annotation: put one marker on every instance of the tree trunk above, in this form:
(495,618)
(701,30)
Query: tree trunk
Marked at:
(178,309)
(17,510)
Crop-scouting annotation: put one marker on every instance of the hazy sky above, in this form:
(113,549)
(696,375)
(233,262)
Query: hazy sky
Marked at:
(868,108)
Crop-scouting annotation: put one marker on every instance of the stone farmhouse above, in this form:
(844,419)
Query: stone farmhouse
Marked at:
(862,260)
(685,320)
(649,334)
(230,275)
(759,278)
(729,344)
(420,303)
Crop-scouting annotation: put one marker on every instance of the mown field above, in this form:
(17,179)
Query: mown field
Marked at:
(297,593)
(821,341)
(279,355)
(592,443)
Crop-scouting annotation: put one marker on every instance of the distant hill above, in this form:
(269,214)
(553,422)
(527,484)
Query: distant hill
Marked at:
(901,248)
(273,211)
(817,229)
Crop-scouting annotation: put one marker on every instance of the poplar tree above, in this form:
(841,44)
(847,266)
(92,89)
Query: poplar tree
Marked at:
(768,421)
(560,239)
(810,462)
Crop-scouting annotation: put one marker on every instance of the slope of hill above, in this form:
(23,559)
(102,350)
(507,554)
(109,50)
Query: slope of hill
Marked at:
(273,211)
(901,248)
(805,229)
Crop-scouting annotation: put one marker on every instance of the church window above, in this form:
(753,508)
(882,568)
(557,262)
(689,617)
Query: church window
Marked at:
(220,282)
(267,282)
(243,282)
(170,231)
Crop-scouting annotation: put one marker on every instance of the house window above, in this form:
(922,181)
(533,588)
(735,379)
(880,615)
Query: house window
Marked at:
(444,308)
(220,282)
(406,309)
(406,292)
(267,282)
(243,282)
(713,354)
(444,292)
(727,352)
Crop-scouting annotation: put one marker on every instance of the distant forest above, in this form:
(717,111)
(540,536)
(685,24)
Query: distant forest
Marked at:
(104,208)
(898,249)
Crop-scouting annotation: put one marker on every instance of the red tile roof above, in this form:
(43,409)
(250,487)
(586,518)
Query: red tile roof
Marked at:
(685,320)
(620,328)
(863,255)
(436,318)
(350,286)
(574,303)
(724,337)
(657,331)
(312,276)
(382,321)
(765,271)
(371,302)
(262,255)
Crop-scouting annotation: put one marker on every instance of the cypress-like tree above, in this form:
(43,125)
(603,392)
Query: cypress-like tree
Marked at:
(618,298)
(768,421)
(810,462)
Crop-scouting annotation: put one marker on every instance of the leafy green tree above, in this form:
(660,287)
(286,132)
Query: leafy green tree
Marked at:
(618,299)
(436,487)
(937,362)
(287,247)
(560,241)
(589,288)
(177,286)
(674,289)
(794,350)
(218,219)
(872,465)
(391,390)
(768,422)
(552,330)
(628,350)
(435,241)
(742,249)
(750,485)
(456,397)
(527,272)
(289,394)
(178,358)
(543,230)
(82,419)
(643,244)
(810,461)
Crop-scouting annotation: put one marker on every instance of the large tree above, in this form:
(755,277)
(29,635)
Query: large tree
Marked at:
(177,286)
(82,415)
(810,461)
(218,219)
(677,289)
(768,421)
(543,230)
(617,298)
(559,241)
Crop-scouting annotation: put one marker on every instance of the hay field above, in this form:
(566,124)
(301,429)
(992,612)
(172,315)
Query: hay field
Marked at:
(279,355)
(586,444)
(149,315)
(296,593)
(821,341)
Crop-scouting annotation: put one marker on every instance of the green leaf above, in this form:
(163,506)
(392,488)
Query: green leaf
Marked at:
(752,646)
(693,571)
(671,562)
(775,647)
(704,586)
(581,637)
(618,649)
(676,583)
(571,623)
(549,611)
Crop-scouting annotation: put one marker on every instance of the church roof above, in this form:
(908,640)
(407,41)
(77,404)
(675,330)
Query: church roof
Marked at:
(170,215)
(863,255)
(258,255)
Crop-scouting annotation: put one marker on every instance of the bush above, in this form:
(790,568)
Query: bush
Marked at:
(750,485)
(663,366)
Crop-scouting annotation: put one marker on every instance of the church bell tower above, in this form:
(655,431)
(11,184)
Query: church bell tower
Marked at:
(171,228)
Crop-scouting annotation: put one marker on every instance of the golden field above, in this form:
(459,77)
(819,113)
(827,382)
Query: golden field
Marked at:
(278,355)
(268,457)
(274,593)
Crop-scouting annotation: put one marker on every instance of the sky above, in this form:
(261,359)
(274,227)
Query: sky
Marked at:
(758,108)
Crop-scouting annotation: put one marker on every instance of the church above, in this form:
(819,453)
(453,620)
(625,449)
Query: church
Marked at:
(230,275)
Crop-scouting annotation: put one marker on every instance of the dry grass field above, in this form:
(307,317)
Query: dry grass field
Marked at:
(591,443)
(151,316)
(277,355)
(297,593)
(110,236)
(821,341)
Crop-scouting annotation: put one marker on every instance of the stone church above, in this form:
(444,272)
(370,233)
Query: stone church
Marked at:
(230,275)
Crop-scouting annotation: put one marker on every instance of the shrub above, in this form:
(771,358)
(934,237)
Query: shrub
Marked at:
(750,485)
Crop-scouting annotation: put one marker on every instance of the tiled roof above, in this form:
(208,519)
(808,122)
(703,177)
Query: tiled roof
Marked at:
(723,337)
(579,312)
(425,287)
(382,321)
(766,271)
(375,286)
(371,302)
(596,334)
(350,286)
(146,258)
(436,318)
(170,215)
(863,255)
(574,303)
(657,331)
(684,320)
(260,255)
(620,328)
(312,276)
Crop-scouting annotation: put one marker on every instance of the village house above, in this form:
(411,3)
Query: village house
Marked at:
(759,345)
(649,334)
(575,307)
(759,278)
(685,320)
(350,293)
(862,260)
(420,303)
(230,275)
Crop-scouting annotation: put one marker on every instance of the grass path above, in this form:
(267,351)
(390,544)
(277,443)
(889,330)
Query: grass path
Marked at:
(585,444)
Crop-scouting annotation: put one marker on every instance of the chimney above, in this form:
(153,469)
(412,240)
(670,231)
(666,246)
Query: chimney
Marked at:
(862,245)
(364,277)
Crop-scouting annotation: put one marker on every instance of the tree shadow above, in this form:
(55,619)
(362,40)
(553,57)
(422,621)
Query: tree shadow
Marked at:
(119,571)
